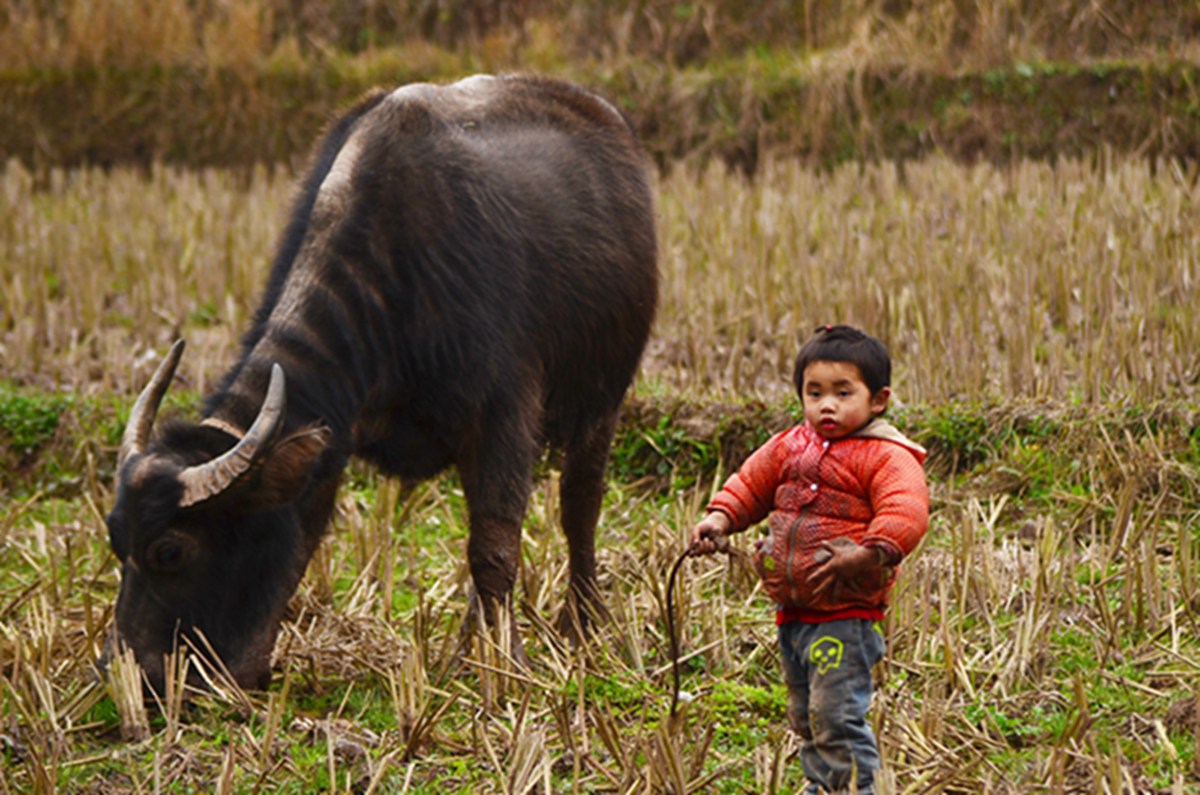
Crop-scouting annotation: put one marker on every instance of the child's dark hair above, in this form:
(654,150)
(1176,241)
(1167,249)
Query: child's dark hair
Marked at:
(846,344)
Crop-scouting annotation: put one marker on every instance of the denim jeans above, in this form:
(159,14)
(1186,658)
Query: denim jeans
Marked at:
(828,671)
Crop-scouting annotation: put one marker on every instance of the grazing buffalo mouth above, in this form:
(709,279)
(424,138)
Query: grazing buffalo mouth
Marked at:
(191,664)
(468,276)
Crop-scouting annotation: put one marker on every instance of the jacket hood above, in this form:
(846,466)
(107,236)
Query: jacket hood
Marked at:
(880,428)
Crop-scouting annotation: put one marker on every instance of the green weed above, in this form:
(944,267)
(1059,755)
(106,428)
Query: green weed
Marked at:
(28,419)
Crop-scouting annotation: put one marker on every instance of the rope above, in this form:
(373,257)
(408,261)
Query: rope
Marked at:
(671,633)
(724,547)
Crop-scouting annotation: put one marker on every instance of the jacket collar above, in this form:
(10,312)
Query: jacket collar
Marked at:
(879,428)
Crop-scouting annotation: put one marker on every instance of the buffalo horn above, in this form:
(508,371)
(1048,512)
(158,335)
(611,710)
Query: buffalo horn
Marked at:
(141,418)
(205,481)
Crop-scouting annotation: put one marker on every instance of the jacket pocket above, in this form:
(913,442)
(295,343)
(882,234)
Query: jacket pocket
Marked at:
(764,557)
(775,564)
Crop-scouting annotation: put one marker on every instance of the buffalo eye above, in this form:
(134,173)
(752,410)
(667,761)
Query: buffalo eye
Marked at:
(168,555)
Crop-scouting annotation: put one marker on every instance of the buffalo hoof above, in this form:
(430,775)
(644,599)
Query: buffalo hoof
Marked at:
(495,624)
(581,614)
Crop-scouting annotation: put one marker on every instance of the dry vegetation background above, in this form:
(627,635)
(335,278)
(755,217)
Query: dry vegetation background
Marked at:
(1042,313)
(235,82)
(949,34)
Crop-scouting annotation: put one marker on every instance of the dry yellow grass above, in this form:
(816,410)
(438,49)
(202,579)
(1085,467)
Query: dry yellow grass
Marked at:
(94,259)
(1003,647)
(1073,282)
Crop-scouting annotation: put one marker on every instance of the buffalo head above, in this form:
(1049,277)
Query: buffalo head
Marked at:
(209,532)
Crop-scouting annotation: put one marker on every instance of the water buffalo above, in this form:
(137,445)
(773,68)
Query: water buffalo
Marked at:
(468,275)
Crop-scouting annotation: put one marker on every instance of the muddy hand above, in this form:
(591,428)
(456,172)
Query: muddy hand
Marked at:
(708,543)
(709,535)
(841,560)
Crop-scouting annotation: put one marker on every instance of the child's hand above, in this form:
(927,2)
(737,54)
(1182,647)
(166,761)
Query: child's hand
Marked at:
(709,534)
(841,559)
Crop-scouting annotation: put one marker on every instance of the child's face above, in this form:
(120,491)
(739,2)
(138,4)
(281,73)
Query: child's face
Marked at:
(837,401)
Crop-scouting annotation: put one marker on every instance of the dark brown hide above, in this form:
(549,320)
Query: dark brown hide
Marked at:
(468,275)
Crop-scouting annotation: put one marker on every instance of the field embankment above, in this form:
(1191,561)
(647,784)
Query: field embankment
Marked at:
(737,114)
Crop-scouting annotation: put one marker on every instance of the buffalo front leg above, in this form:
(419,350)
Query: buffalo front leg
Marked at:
(582,491)
(497,479)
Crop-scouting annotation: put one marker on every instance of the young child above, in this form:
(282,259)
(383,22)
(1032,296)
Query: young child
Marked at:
(845,498)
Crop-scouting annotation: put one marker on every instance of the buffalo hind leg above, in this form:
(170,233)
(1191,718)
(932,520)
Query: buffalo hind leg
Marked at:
(497,478)
(582,491)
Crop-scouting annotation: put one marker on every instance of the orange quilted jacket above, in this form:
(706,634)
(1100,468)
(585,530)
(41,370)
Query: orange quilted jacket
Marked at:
(868,487)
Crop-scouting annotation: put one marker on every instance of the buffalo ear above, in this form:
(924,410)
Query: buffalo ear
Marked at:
(288,467)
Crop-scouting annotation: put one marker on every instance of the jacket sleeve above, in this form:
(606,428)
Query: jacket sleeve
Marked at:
(749,494)
(899,500)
